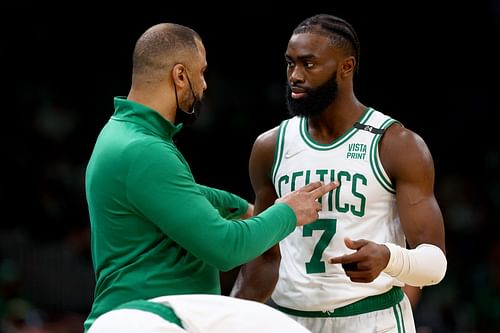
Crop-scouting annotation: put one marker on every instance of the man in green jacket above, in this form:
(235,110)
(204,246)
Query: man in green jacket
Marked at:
(154,230)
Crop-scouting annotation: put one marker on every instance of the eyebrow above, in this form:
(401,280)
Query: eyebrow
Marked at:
(302,57)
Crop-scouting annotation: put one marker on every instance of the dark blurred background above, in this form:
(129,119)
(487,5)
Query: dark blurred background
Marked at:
(431,65)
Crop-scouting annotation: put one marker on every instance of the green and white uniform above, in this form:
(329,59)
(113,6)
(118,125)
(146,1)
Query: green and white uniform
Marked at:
(195,314)
(154,231)
(363,206)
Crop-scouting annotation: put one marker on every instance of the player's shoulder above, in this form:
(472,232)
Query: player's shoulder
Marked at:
(264,147)
(397,135)
(391,126)
(268,137)
(403,149)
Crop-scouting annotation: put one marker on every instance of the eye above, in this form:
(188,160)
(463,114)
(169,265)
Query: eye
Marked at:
(308,64)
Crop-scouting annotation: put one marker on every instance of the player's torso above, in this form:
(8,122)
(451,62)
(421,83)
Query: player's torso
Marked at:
(363,206)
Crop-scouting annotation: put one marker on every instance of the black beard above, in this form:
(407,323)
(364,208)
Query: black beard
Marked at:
(316,100)
(188,119)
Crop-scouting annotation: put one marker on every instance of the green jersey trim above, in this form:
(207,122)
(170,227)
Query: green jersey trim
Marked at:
(368,304)
(304,133)
(375,163)
(278,153)
(398,315)
(159,309)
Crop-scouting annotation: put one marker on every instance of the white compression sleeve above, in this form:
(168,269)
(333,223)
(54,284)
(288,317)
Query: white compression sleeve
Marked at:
(423,266)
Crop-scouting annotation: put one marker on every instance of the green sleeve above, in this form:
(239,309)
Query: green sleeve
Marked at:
(228,204)
(161,188)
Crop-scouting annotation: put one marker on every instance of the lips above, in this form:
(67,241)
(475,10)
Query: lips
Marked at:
(298,92)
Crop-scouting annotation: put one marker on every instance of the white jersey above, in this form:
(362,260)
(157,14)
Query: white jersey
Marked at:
(363,206)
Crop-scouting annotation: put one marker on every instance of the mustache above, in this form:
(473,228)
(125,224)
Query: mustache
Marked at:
(300,87)
(303,89)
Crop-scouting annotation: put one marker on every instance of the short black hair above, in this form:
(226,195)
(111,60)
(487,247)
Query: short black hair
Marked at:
(161,46)
(340,32)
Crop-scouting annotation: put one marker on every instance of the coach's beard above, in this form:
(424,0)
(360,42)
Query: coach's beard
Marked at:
(187,118)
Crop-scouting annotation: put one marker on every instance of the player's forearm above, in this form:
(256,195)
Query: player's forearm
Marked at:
(425,265)
(229,204)
(257,280)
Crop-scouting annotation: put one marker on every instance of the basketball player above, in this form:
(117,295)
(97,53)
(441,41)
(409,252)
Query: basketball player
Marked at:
(344,272)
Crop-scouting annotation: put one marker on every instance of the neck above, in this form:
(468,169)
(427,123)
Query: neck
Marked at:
(336,119)
(155,99)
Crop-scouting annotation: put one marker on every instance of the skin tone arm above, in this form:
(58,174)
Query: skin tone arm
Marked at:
(258,277)
(409,163)
(413,294)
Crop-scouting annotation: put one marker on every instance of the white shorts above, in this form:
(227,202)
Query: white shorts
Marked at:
(197,314)
(395,319)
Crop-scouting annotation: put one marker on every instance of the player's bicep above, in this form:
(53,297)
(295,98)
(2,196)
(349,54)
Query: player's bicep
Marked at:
(411,166)
(420,216)
(261,161)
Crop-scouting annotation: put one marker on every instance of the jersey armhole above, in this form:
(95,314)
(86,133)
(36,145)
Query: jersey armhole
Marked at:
(279,148)
(375,162)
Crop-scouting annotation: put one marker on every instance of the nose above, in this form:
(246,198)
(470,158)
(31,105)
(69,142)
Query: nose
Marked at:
(205,86)
(295,75)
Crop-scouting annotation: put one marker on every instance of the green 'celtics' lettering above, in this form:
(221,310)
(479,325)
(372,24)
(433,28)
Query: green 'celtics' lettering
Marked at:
(285,179)
(343,177)
(362,199)
(353,183)
(295,175)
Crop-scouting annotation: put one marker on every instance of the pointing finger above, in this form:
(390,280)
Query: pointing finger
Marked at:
(345,259)
(336,260)
(319,192)
(310,187)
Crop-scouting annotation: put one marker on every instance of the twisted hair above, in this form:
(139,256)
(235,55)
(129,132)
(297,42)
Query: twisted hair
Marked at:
(339,31)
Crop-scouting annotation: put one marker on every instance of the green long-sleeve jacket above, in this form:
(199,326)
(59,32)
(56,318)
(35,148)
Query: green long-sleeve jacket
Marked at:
(154,231)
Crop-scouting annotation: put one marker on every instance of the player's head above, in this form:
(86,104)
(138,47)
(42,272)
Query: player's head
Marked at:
(173,53)
(322,54)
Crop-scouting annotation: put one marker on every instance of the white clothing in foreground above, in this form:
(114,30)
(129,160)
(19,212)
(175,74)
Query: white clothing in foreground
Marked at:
(199,313)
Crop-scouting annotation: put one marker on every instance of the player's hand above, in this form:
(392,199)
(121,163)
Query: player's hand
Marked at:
(249,212)
(304,201)
(232,212)
(366,263)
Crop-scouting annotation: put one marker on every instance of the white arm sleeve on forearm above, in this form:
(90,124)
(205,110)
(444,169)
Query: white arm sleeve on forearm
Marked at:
(423,266)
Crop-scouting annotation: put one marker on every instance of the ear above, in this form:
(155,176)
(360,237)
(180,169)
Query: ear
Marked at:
(348,66)
(179,75)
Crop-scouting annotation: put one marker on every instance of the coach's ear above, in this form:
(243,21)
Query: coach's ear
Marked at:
(179,75)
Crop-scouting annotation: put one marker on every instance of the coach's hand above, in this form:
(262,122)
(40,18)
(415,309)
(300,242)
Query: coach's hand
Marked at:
(304,201)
